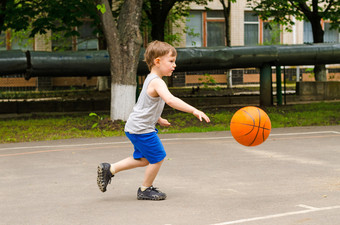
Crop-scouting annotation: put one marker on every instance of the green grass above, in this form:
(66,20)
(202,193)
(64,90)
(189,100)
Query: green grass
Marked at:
(40,127)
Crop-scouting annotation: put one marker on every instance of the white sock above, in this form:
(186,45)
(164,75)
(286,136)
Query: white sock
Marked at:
(143,188)
(112,169)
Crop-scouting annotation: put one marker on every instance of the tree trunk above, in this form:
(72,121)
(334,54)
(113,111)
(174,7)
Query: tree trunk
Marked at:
(226,12)
(320,72)
(157,29)
(158,15)
(102,82)
(157,21)
(124,42)
(318,33)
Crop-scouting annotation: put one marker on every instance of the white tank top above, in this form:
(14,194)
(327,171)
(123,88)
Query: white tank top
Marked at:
(146,111)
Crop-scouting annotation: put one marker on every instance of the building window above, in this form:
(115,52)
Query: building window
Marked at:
(307,32)
(271,33)
(205,29)
(330,36)
(87,40)
(215,28)
(60,42)
(194,29)
(251,28)
(20,40)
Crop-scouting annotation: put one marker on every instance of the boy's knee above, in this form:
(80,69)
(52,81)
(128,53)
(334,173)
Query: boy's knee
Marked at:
(144,162)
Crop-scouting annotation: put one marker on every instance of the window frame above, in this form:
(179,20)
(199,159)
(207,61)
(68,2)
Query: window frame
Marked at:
(260,28)
(259,36)
(206,20)
(323,22)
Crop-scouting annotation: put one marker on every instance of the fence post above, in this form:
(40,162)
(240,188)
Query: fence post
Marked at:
(266,94)
(278,85)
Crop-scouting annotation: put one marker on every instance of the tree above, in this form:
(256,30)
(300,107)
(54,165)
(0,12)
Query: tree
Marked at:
(124,43)
(157,12)
(311,10)
(226,13)
(121,32)
(44,16)
(60,17)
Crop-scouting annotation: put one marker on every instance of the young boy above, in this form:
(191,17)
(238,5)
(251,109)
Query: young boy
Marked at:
(140,126)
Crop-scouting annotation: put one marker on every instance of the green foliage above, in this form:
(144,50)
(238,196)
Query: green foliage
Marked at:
(98,118)
(280,11)
(43,16)
(22,38)
(172,12)
(101,8)
(275,33)
(176,17)
(207,80)
(61,17)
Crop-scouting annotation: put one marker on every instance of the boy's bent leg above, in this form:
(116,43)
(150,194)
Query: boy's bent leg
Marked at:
(151,173)
(129,163)
(151,193)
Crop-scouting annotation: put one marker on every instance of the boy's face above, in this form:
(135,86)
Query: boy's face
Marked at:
(166,64)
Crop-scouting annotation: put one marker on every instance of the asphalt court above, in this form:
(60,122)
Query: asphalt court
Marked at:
(210,179)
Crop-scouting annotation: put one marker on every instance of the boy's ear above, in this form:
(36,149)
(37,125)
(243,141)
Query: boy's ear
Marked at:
(156,60)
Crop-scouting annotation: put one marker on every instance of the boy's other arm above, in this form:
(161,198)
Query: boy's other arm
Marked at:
(174,102)
(163,122)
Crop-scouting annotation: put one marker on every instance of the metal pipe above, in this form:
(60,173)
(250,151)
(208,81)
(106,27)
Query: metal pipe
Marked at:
(97,63)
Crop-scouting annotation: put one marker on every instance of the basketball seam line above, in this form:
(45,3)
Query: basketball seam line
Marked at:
(252,125)
(257,129)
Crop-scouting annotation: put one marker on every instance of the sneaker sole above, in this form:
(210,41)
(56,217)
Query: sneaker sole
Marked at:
(152,199)
(100,178)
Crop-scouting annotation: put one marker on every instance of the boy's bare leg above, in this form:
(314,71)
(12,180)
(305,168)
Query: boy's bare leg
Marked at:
(151,173)
(129,163)
(147,191)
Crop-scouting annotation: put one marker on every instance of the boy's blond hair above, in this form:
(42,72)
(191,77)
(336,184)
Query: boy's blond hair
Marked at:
(157,49)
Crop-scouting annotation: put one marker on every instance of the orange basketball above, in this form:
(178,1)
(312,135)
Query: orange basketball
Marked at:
(250,126)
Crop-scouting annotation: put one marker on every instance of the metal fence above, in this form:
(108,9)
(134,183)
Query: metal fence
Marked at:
(179,79)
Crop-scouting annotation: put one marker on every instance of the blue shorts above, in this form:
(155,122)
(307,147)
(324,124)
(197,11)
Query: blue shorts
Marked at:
(147,146)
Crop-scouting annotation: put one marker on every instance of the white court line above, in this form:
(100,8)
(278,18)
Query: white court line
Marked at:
(302,133)
(310,210)
(108,143)
(306,206)
(63,146)
(164,139)
(200,138)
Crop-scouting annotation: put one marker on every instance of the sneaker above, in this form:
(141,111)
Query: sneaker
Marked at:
(104,176)
(151,193)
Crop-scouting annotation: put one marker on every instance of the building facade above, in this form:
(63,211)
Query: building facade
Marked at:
(206,28)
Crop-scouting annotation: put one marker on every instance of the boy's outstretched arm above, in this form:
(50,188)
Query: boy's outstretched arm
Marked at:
(163,122)
(176,103)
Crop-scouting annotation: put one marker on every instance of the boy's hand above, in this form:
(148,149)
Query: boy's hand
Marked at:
(163,122)
(199,114)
